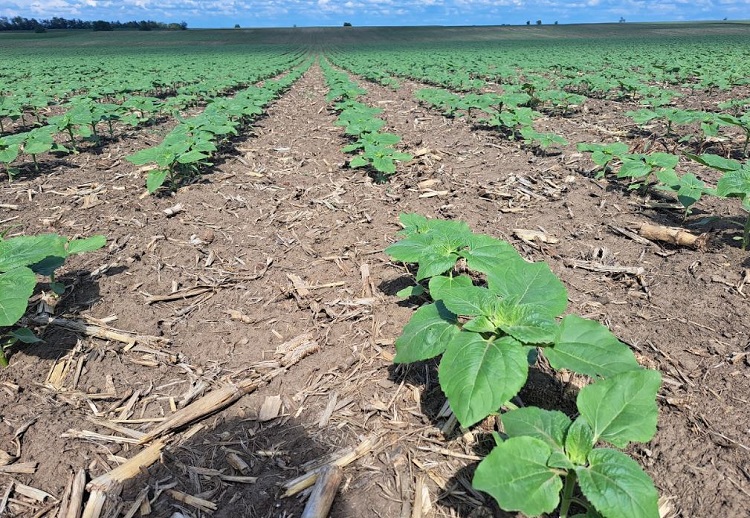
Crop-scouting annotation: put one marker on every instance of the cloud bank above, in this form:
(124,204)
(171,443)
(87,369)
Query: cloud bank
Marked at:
(269,13)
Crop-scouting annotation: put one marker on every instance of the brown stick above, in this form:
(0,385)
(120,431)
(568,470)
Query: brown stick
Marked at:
(75,502)
(674,236)
(207,405)
(95,331)
(603,268)
(323,492)
(111,483)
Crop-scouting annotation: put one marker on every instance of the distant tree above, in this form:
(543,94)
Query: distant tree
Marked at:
(555,22)
(528,22)
(622,20)
(539,22)
(101,25)
(347,24)
(237,26)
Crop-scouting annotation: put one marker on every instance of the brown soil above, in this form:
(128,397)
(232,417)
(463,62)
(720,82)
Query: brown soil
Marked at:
(284,204)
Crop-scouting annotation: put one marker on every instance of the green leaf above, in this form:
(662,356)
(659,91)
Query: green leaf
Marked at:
(155,179)
(617,486)
(622,409)
(734,184)
(531,284)
(515,474)
(409,250)
(468,301)
(716,162)
(25,335)
(480,324)
(410,291)
(384,164)
(633,167)
(413,223)
(587,347)
(549,426)
(427,334)
(486,253)
(435,263)
(524,323)
(57,288)
(89,244)
(579,441)
(16,286)
(192,157)
(28,250)
(440,285)
(144,156)
(479,375)
(358,161)
(691,190)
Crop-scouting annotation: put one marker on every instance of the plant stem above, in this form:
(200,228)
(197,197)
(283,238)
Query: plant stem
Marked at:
(746,234)
(3,358)
(567,496)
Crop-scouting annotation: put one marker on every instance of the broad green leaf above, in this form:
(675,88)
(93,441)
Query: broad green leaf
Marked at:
(480,324)
(716,162)
(691,190)
(144,156)
(358,161)
(384,164)
(468,301)
(427,334)
(662,160)
(479,375)
(409,250)
(531,284)
(587,347)
(28,250)
(549,426)
(622,409)
(734,184)
(559,459)
(486,253)
(435,263)
(442,284)
(413,223)
(16,286)
(410,291)
(515,474)
(617,486)
(524,323)
(25,335)
(633,167)
(192,157)
(579,441)
(155,179)
(89,244)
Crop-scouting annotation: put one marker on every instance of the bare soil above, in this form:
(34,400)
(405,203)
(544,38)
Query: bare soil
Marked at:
(282,206)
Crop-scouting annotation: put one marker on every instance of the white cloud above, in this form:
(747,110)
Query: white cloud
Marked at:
(373,12)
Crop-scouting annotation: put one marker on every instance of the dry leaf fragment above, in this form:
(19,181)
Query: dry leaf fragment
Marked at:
(270,409)
(6,458)
(532,236)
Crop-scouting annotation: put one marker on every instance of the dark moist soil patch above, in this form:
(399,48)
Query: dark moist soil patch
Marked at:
(283,207)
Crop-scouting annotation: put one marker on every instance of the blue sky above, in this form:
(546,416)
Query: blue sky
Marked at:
(285,13)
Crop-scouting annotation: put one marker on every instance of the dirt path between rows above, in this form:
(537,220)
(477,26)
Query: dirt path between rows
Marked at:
(284,209)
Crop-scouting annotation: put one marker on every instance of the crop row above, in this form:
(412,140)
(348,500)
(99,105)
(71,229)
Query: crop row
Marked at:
(187,149)
(376,150)
(83,115)
(28,89)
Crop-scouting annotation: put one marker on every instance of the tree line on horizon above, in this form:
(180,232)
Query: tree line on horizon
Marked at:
(19,23)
